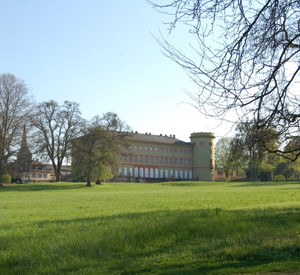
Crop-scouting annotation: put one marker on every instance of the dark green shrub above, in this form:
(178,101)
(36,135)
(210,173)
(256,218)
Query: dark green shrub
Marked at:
(6,178)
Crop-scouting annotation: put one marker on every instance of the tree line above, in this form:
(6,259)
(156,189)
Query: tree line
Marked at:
(248,152)
(53,129)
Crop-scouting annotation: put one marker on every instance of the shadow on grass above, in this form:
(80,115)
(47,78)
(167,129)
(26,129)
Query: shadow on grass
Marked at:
(31,187)
(203,241)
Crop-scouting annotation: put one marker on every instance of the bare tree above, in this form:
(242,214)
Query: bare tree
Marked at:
(245,59)
(15,109)
(56,126)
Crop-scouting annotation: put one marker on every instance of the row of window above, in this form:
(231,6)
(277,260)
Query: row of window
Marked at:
(155,173)
(156,160)
(202,144)
(157,149)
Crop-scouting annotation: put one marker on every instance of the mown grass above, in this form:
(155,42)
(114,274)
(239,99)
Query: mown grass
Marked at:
(167,228)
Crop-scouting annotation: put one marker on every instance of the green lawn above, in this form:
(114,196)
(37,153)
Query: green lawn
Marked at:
(167,228)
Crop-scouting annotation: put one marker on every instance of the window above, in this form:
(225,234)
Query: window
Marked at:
(130,158)
(146,159)
(210,144)
(156,149)
(180,161)
(156,160)
(202,143)
(34,175)
(220,173)
(171,160)
(161,160)
(151,148)
(175,161)
(124,158)
(135,147)
(141,147)
(166,160)
(146,148)
(166,149)
(135,158)
(151,159)
(141,172)
(40,176)
(161,149)
(141,159)
(185,162)
(161,173)
(45,176)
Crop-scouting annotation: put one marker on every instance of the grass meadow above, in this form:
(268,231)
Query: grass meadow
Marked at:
(162,228)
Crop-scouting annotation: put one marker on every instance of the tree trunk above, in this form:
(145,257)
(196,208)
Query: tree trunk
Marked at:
(89,183)
(57,176)
(98,182)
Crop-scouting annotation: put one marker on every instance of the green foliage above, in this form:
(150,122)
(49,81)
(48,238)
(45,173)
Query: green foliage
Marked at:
(95,153)
(104,173)
(249,149)
(279,178)
(168,228)
(6,178)
(284,169)
(222,153)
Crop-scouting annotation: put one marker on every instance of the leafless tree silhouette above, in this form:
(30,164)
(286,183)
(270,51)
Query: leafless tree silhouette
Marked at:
(246,60)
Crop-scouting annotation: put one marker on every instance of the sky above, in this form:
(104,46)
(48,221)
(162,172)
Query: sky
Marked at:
(104,56)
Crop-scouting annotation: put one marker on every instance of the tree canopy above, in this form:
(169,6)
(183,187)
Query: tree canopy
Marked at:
(95,154)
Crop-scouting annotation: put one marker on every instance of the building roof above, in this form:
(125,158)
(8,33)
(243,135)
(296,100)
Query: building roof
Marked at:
(162,139)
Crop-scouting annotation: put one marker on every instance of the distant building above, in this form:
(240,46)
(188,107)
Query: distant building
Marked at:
(162,157)
(220,175)
(25,169)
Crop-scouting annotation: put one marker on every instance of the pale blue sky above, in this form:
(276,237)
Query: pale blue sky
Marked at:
(101,54)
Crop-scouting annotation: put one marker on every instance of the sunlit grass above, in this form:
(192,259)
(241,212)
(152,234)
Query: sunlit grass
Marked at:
(167,228)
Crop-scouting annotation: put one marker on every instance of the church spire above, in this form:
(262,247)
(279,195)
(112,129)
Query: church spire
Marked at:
(24,156)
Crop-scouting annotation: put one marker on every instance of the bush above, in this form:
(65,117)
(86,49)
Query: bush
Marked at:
(279,178)
(6,178)
(292,178)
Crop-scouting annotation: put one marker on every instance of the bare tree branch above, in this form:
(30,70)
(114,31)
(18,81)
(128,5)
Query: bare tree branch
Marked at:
(245,59)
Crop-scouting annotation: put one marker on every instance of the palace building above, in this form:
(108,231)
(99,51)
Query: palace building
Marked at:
(150,157)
